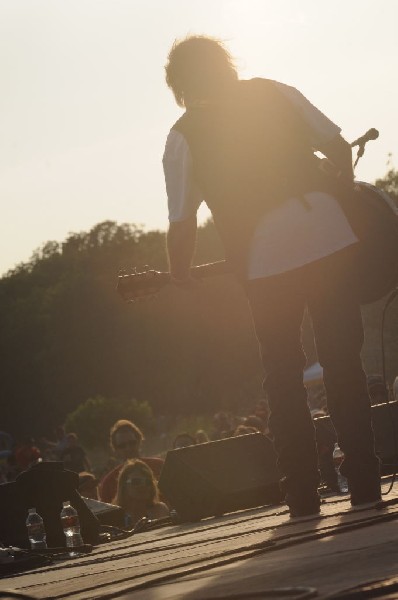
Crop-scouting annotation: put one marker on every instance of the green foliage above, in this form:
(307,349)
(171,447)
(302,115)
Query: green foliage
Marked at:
(93,419)
(389,183)
(66,335)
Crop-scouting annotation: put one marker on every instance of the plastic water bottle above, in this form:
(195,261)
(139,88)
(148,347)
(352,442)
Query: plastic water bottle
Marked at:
(338,457)
(36,531)
(71,526)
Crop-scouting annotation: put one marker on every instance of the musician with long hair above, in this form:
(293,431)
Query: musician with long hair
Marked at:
(246,148)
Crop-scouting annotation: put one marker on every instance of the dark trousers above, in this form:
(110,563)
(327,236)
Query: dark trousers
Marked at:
(278,304)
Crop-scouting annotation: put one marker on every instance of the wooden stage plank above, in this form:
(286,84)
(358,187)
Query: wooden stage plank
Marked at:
(250,548)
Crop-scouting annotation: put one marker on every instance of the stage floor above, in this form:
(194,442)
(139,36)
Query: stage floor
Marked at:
(241,555)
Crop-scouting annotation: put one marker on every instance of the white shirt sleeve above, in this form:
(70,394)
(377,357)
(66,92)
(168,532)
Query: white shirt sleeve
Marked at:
(183,196)
(323,129)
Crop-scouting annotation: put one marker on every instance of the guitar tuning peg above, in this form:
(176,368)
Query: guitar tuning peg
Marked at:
(146,268)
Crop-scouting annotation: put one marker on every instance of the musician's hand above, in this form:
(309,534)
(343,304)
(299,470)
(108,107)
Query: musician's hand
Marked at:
(339,154)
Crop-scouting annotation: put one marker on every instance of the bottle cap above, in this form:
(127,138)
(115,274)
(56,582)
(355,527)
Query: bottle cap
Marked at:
(31,511)
(66,503)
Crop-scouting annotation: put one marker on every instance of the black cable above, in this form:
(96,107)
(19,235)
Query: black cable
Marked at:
(144,524)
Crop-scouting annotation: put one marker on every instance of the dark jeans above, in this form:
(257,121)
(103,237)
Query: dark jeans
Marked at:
(278,304)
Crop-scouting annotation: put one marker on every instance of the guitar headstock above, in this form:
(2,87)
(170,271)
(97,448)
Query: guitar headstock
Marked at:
(136,285)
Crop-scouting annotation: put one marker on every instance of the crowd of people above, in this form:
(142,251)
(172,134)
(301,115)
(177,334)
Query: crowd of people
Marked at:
(17,456)
(132,482)
(130,477)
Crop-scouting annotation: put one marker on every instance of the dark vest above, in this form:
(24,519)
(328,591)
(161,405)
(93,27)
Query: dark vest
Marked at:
(250,152)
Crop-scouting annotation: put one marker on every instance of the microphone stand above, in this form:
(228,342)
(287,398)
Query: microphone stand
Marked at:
(372,134)
(360,153)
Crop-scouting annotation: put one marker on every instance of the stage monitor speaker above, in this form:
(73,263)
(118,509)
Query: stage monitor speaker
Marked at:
(385,427)
(44,486)
(218,477)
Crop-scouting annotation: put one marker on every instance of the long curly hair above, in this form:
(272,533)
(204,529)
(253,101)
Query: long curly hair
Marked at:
(135,467)
(198,68)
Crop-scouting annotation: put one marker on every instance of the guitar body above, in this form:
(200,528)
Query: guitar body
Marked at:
(373,216)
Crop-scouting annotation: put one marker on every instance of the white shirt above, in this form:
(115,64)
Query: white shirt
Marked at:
(289,236)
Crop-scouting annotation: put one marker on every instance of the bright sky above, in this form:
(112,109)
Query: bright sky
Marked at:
(85,110)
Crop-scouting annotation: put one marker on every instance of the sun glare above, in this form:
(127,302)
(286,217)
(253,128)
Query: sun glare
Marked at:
(260,35)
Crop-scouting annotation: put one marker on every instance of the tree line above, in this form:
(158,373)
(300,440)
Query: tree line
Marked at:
(67,336)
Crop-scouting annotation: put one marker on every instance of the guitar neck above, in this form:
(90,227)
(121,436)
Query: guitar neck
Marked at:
(138,285)
(213,269)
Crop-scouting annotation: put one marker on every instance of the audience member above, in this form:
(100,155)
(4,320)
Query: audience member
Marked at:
(261,410)
(6,441)
(125,441)
(201,437)
(137,492)
(88,485)
(182,440)
(73,456)
(245,430)
(26,454)
(255,422)
(223,426)
(6,444)
(61,440)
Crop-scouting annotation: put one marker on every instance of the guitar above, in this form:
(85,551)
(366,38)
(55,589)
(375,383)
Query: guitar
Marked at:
(136,285)
(372,214)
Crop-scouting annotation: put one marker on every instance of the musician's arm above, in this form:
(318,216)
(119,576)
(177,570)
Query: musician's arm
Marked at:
(184,199)
(339,152)
(324,134)
(181,238)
